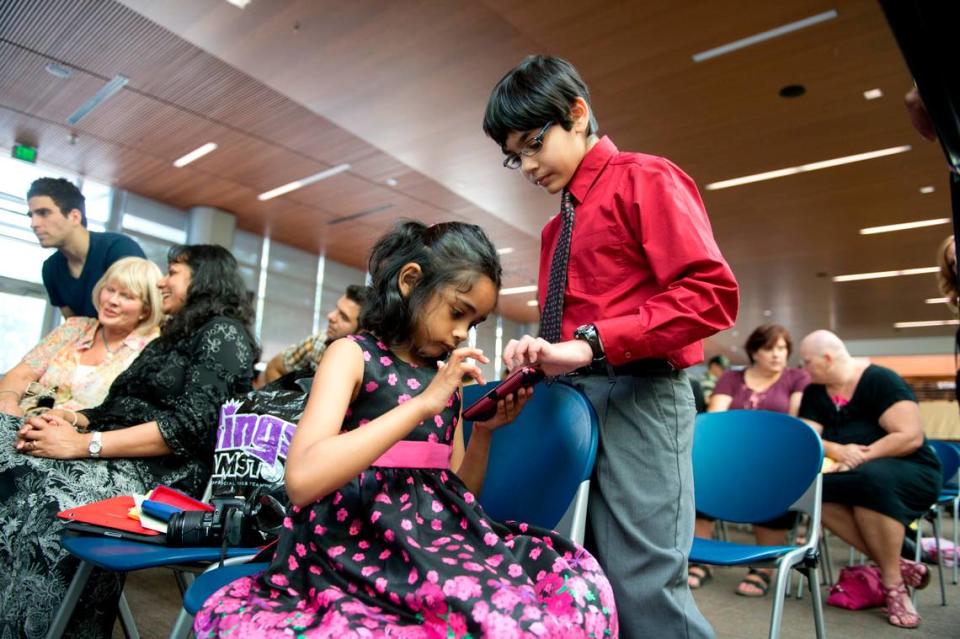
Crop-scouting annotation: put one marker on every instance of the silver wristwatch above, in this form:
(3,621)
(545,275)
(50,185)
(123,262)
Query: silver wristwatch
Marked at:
(95,444)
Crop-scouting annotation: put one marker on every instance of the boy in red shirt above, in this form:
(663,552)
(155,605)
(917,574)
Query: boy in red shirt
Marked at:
(631,281)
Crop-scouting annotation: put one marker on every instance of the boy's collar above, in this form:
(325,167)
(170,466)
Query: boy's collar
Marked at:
(590,168)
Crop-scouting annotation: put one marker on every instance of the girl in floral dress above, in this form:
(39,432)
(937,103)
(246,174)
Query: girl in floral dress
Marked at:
(385,537)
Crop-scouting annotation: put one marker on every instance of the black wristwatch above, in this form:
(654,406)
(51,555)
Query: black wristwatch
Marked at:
(589,334)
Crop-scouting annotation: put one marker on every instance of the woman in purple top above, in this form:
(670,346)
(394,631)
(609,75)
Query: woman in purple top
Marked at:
(766,384)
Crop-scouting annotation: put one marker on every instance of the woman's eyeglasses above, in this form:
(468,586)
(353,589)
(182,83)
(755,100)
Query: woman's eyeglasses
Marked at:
(530,148)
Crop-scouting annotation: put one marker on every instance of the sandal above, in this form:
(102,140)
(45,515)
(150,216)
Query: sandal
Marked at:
(915,575)
(756,579)
(896,610)
(698,579)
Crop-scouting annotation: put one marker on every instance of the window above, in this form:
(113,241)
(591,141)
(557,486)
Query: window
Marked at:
(156,227)
(21,323)
(97,204)
(288,297)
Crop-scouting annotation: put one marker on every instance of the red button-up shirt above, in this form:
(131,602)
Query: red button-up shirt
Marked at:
(644,267)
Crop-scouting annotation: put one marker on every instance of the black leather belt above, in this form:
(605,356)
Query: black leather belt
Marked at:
(639,368)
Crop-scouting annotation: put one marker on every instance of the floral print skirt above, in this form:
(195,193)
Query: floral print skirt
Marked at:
(410,553)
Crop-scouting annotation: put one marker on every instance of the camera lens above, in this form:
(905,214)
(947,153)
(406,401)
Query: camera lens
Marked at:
(188,528)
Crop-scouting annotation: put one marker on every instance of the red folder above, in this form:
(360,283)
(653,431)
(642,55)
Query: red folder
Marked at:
(108,513)
(171,497)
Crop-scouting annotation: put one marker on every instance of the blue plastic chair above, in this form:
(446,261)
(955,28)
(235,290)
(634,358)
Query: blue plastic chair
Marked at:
(215,578)
(119,555)
(539,473)
(949,455)
(540,465)
(749,467)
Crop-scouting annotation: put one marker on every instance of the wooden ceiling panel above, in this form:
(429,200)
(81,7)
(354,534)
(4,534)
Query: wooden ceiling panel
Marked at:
(397,91)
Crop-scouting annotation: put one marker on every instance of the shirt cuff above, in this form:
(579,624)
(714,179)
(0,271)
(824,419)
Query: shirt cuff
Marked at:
(622,340)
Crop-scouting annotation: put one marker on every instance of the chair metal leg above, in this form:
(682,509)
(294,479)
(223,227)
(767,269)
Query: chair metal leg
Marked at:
(956,527)
(779,593)
(70,601)
(721,531)
(916,558)
(936,536)
(826,560)
(816,600)
(183,626)
(126,619)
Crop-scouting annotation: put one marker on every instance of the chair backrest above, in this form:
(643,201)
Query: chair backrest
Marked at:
(750,466)
(949,456)
(538,462)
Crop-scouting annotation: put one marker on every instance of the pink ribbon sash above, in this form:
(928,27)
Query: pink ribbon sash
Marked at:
(407,454)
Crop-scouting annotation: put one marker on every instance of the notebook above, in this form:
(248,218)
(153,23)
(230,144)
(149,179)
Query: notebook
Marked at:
(110,518)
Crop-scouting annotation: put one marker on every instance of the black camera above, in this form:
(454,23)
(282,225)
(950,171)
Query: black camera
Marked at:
(235,521)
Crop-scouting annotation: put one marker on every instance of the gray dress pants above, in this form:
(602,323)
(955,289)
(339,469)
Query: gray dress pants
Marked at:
(641,511)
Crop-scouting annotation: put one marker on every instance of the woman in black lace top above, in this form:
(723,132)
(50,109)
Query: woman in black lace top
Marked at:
(157,425)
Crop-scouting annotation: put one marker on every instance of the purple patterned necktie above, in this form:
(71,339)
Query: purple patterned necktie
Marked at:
(553,304)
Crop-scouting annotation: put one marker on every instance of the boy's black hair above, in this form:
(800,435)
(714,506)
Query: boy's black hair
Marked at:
(449,253)
(358,294)
(539,90)
(63,192)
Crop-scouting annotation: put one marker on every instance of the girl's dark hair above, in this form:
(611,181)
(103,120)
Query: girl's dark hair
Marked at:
(448,253)
(766,336)
(539,90)
(216,289)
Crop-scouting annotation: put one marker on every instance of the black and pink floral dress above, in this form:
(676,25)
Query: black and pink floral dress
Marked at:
(405,550)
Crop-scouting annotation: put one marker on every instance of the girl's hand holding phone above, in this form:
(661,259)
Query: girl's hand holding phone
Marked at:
(449,377)
(507,410)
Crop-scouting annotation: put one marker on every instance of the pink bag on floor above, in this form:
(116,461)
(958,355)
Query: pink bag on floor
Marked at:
(858,587)
(929,545)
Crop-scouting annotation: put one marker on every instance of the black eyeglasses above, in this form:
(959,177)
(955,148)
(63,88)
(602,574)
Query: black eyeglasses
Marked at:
(529,149)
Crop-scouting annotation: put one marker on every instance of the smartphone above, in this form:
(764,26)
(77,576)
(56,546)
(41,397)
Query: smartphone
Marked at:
(486,407)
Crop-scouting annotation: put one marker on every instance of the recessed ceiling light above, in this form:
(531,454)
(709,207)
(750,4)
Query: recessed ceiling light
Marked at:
(803,168)
(516,290)
(391,182)
(889,228)
(239,3)
(792,91)
(299,184)
(872,94)
(937,300)
(196,154)
(504,251)
(925,324)
(532,303)
(926,190)
(853,277)
(764,35)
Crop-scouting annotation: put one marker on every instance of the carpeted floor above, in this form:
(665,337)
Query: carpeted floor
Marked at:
(155,601)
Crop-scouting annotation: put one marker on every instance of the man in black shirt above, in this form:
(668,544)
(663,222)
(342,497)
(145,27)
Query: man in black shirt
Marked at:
(58,219)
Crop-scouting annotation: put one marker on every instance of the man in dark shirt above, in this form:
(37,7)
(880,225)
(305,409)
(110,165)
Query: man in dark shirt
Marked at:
(59,220)
(631,282)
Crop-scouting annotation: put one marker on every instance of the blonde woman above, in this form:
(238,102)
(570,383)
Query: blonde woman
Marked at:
(157,425)
(78,361)
(947,276)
